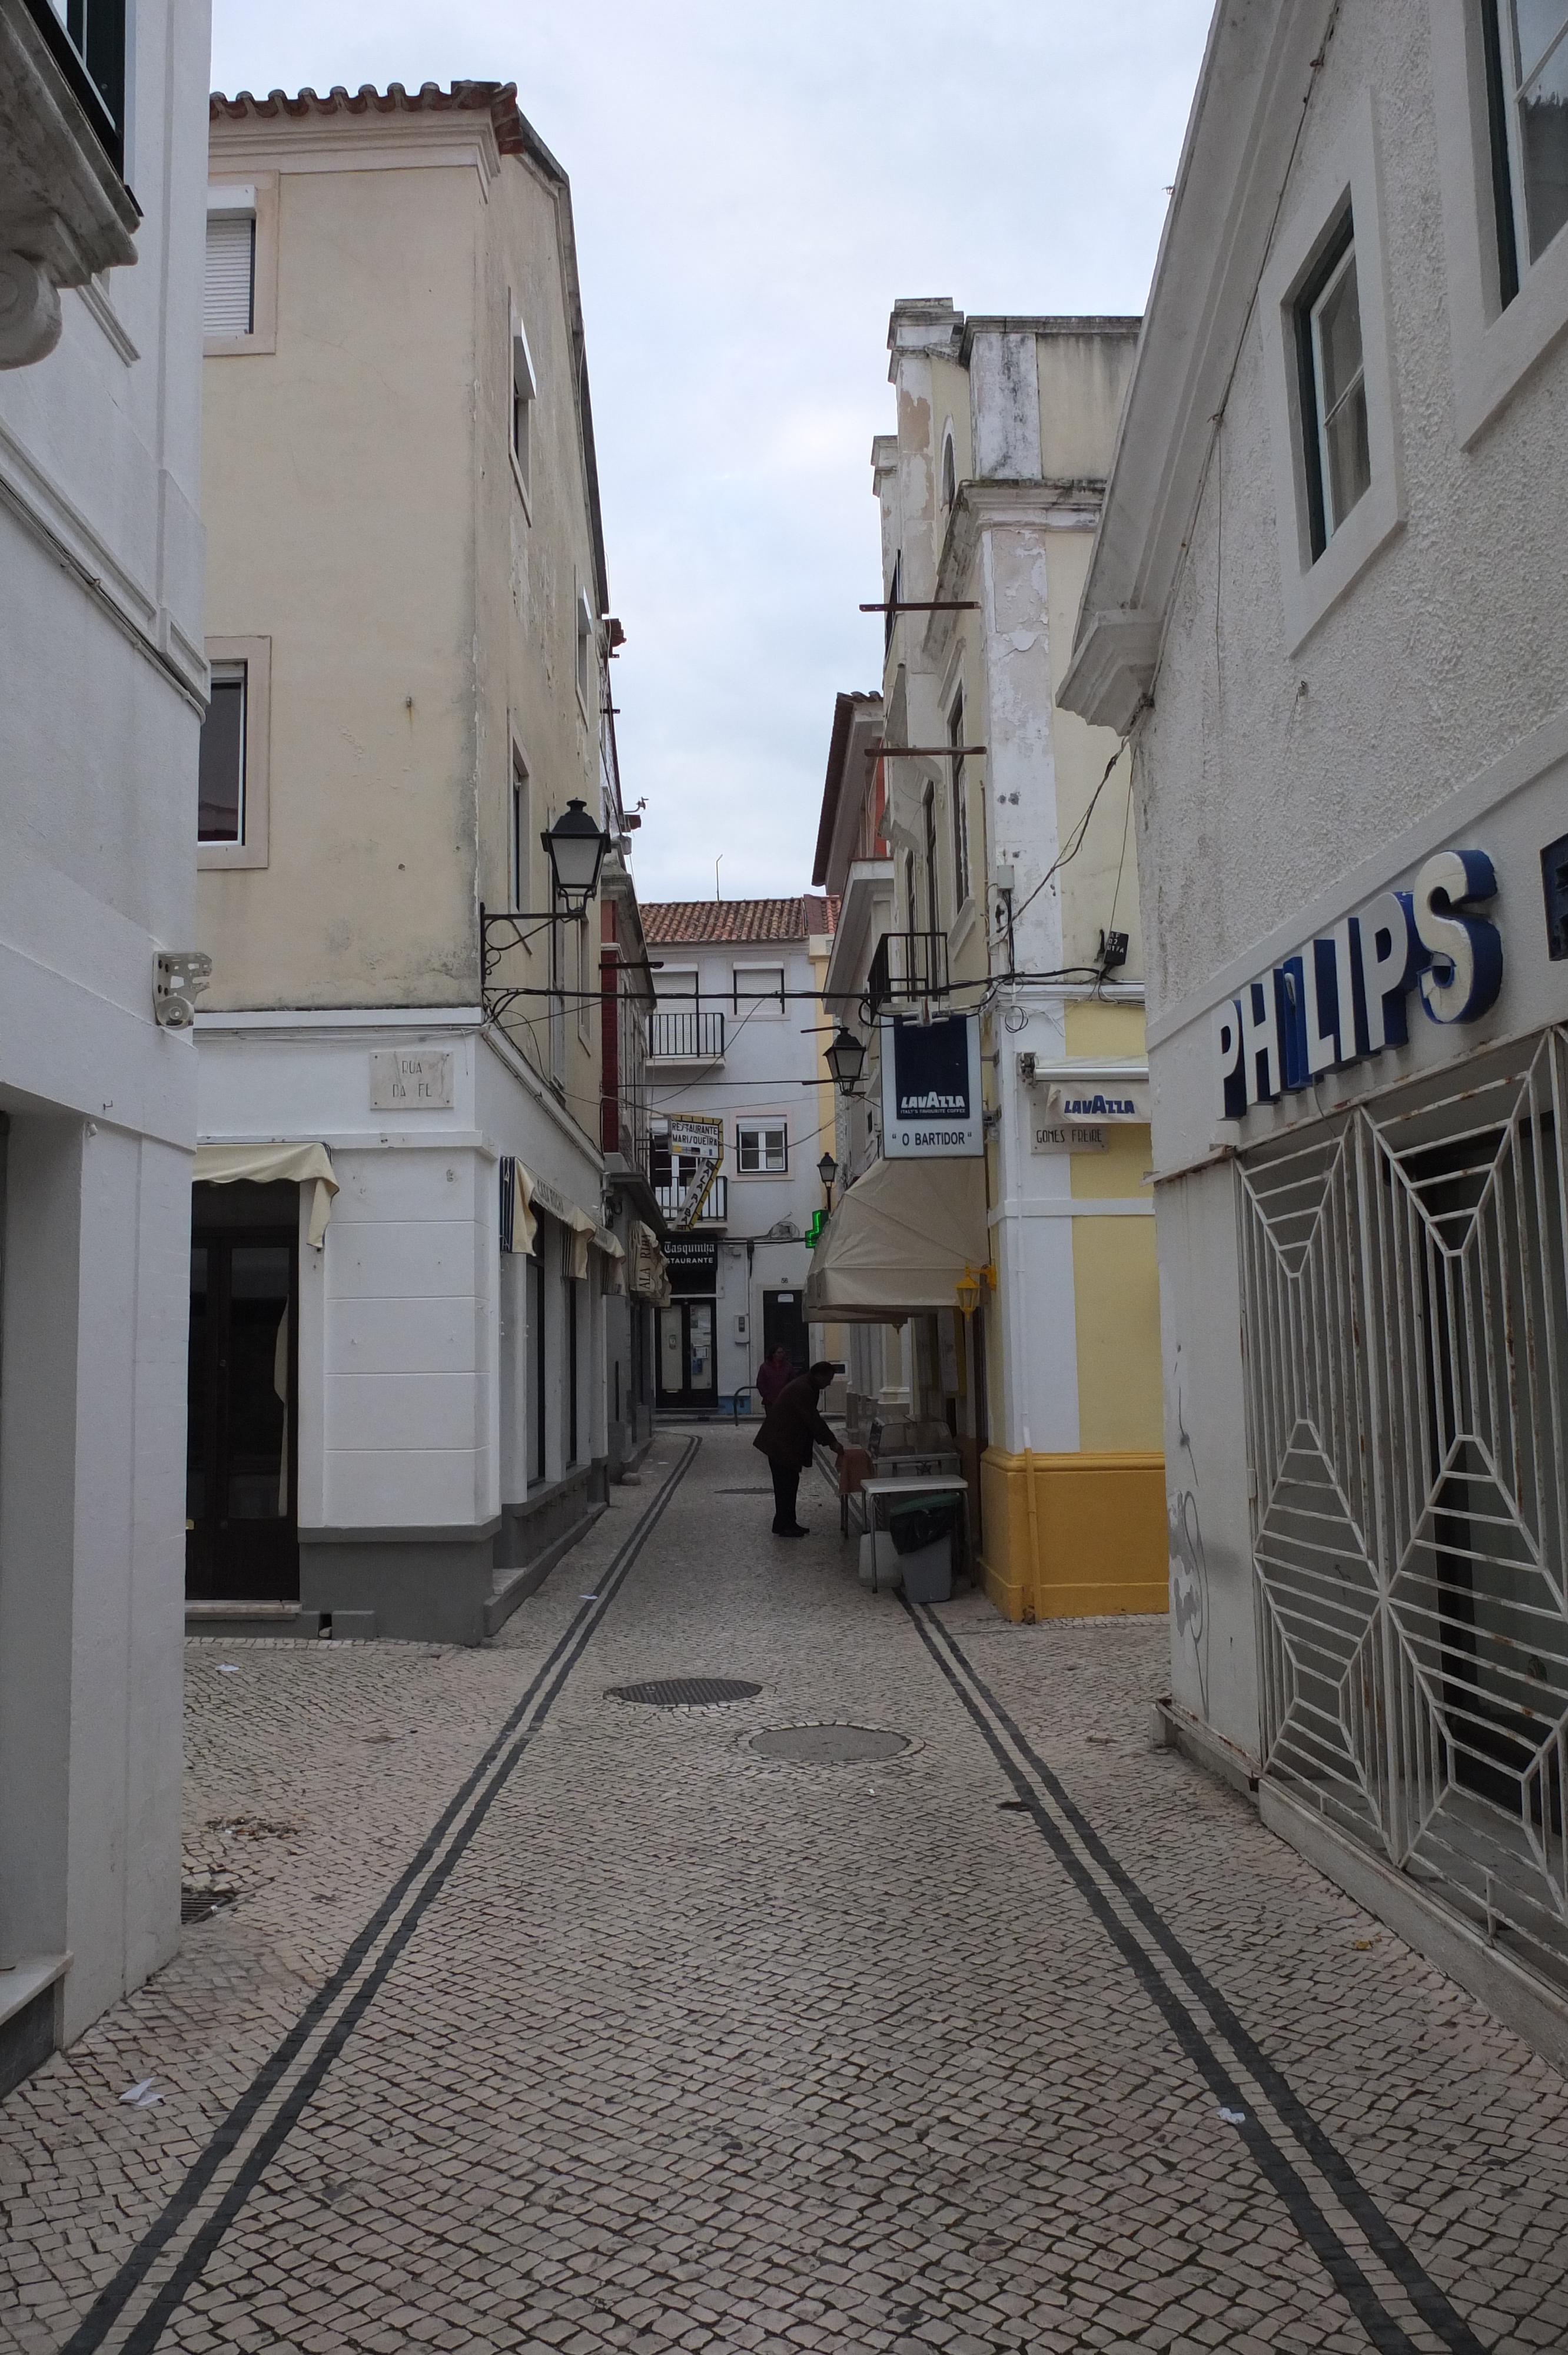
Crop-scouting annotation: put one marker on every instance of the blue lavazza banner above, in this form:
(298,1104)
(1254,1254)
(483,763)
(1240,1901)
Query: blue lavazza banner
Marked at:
(931,1090)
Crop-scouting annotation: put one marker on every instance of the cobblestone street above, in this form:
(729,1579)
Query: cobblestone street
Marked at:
(542,2018)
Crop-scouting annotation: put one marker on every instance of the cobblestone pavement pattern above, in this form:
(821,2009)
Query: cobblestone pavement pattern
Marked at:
(542,2020)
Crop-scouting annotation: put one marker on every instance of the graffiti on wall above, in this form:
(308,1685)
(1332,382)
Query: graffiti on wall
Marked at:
(1189,1564)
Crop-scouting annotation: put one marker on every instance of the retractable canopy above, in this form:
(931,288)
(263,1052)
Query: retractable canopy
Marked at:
(649,1271)
(267,1165)
(898,1242)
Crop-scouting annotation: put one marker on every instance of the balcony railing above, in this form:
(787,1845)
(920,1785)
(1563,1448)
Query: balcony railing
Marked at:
(686,1037)
(714,1211)
(907,966)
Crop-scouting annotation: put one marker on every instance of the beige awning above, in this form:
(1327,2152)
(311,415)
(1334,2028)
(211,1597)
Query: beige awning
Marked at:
(650,1272)
(267,1165)
(536,1194)
(898,1242)
(525,1225)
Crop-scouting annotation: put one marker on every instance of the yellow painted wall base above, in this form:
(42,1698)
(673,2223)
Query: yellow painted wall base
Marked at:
(1096,1542)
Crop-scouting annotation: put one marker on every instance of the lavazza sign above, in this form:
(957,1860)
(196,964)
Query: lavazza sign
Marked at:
(1346,996)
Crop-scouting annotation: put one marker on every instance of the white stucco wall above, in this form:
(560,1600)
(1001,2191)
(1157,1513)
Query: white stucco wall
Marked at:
(1280,787)
(103,683)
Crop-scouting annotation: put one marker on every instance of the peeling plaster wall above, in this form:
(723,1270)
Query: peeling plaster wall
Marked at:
(1004,391)
(1083,381)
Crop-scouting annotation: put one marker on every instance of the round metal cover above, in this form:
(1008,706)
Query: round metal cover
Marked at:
(685,1693)
(828,1745)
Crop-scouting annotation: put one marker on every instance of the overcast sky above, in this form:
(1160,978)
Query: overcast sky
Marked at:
(753,188)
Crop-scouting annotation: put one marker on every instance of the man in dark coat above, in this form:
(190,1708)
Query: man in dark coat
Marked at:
(792,1422)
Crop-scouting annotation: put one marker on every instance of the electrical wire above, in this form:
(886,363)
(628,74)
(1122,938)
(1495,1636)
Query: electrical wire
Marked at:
(1074,841)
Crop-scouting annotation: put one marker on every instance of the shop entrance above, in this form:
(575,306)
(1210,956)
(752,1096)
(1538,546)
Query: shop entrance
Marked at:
(241,1519)
(783,1321)
(686,1376)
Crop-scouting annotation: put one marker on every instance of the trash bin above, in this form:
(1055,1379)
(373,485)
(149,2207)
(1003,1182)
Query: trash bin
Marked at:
(923,1539)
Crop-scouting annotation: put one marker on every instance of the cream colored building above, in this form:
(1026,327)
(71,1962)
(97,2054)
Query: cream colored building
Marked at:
(398,1418)
(977,833)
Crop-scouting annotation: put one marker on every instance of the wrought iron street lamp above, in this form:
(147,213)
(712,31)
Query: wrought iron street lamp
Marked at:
(845,1060)
(827,1170)
(575,848)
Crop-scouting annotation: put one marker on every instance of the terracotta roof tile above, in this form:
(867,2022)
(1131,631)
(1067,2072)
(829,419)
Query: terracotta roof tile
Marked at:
(696,922)
(514,135)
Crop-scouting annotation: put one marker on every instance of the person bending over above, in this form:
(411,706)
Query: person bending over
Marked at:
(792,1422)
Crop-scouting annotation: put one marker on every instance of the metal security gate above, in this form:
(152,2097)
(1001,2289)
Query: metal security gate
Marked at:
(1404,1274)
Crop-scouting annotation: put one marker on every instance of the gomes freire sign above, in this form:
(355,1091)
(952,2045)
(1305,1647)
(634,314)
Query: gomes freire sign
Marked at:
(1346,995)
(931,1090)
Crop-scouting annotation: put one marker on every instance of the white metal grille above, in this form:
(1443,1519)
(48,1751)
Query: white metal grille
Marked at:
(1405,1276)
(229,305)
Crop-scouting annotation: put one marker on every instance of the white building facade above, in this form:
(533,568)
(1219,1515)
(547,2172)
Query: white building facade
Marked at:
(102,687)
(736,1039)
(1319,605)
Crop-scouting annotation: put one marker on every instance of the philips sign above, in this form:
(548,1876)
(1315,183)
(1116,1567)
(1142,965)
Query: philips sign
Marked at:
(1345,996)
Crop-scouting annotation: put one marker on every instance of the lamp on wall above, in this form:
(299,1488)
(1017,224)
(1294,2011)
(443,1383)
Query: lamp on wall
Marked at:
(845,1060)
(971,1284)
(827,1170)
(576,847)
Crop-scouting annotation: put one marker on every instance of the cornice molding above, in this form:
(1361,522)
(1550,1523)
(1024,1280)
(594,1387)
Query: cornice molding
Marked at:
(1257,77)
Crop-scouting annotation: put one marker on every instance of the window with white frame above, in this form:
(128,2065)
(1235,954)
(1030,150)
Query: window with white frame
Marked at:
(960,791)
(228,306)
(1339,487)
(1526,89)
(933,887)
(585,653)
(760,990)
(676,983)
(761,1148)
(525,392)
(231,773)
(220,800)
(240,292)
(1337,450)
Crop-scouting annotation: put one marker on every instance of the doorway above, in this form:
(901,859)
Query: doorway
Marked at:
(241,1511)
(687,1374)
(784,1322)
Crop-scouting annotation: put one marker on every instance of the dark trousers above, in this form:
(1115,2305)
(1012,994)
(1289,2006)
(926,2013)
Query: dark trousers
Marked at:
(786,1488)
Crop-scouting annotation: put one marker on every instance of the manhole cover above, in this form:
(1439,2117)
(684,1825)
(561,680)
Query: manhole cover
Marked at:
(688,1692)
(828,1745)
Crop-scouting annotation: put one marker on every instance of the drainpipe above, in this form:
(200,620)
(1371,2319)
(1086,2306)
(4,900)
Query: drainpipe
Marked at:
(1034,1512)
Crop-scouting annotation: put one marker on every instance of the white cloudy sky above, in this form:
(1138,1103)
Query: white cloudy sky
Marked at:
(753,188)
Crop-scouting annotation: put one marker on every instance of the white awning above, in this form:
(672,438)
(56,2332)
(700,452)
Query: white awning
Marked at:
(267,1165)
(536,1194)
(898,1242)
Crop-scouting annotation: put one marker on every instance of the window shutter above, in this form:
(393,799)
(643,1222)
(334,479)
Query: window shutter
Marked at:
(231,275)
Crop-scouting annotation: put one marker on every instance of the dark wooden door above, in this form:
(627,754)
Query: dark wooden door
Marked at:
(241,1515)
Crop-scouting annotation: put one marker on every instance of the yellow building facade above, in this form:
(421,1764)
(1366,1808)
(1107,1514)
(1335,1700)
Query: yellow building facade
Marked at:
(978,836)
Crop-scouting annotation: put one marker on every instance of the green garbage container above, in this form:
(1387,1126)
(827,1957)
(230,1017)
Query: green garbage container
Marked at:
(922,1538)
